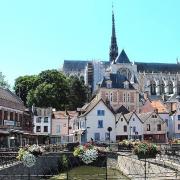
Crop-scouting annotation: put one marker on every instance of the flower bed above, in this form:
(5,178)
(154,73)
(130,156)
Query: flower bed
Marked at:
(127,144)
(29,154)
(146,150)
(88,152)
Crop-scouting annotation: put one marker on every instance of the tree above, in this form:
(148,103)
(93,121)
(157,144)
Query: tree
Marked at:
(51,92)
(3,82)
(51,88)
(78,93)
(23,85)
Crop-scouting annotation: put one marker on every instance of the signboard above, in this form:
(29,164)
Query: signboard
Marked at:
(8,123)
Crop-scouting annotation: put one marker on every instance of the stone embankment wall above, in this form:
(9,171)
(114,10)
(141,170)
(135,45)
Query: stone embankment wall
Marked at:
(134,168)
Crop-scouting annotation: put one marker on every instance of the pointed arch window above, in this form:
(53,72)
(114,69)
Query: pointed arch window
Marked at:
(178,87)
(161,86)
(153,88)
(170,84)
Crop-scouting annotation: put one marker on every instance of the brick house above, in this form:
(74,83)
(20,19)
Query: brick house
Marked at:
(15,123)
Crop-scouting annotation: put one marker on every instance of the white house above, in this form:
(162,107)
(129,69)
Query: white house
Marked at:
(121,127)
(94,122)
(42,123)
(129,126)
(135,126)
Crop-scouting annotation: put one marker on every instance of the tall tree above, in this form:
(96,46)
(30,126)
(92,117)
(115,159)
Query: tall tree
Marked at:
(78,93)
(3,82)
(23,85)
(51,91)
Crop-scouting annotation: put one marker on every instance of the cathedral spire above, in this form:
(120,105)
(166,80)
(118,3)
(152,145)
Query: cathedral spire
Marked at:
(113,47)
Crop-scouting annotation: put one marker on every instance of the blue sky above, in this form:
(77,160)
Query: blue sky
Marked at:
(36,35)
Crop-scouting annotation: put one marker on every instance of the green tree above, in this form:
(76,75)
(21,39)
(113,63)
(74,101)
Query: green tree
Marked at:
(51,92)
(78,93)
(23,85)
(3,82)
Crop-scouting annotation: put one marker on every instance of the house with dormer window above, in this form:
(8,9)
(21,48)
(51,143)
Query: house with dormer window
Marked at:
(154,127)
(94,121)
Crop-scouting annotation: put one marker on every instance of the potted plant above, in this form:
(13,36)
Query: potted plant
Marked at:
(146,150)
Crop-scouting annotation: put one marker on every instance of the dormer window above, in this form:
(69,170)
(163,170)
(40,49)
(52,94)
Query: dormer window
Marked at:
(126,85)
(109,84)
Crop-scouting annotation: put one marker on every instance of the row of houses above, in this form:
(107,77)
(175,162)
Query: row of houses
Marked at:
(92,121)
(19,126)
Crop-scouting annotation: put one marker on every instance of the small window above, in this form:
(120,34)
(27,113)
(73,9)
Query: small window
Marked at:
(133,119)
(179,117)
(46,120)
(154,116)
(106,136)
(128,98)
(121,119)
(100,123)
(45,128)
(38,128)
(124,97)
(38,120)
(100,112)
(97,136)
(159,127)
(178,126)
(125,128)
(148,127)
(134,129)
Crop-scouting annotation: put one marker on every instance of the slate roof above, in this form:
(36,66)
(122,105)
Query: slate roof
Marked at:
(75,65)
(9,99)
(78,65)
(122,110)
(158,67)
(122,58)
(6,94)
(117,81)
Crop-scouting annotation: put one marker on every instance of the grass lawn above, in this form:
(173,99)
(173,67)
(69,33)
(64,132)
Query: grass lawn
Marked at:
(89,173)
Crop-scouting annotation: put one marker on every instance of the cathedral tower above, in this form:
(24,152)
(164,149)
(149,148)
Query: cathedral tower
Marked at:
(113,47)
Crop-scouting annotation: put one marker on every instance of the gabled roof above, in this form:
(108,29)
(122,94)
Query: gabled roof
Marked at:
(7,96)
(63,114)
(117,81)
(153,105)
(122,110)
(145,116)
(122,58)
(93,104)
(128,116)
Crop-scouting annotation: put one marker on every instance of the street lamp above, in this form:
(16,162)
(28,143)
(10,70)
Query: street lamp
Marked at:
(130,132)
(109,130)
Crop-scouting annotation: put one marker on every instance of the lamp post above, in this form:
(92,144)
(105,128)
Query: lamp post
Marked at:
(109,130)
(130,132)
